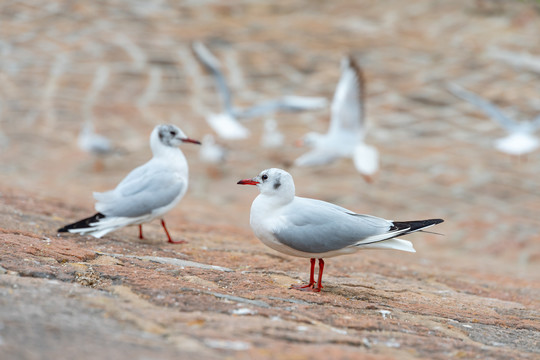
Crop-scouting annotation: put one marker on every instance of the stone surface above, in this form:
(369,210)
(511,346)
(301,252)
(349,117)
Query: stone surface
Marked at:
(472,293)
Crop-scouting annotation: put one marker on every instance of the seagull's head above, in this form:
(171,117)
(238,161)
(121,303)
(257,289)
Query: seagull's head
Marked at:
(272,182)
(170,135)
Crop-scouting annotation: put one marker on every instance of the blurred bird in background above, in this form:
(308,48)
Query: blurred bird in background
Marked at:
(94,144)
(98,146)
(345,137)
(520,140)
(226,123)
(271,136)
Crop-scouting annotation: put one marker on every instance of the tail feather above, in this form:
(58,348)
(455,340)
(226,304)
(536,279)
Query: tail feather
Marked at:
(393,243)
(82,224)
(416,225)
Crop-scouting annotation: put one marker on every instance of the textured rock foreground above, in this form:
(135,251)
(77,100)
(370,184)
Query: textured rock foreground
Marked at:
(119,297)
(472,293)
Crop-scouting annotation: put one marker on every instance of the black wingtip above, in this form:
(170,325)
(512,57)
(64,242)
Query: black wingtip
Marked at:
(417,224)
(81,224)
(433,221)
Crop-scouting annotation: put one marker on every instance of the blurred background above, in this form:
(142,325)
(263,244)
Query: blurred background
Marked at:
(126,66)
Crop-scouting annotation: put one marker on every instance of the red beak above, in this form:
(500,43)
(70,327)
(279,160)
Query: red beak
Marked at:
(191,141)
(247,182)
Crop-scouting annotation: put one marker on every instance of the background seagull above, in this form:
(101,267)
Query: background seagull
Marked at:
(345,136)
(313,229)
(211,152)
(94,144)
(89,141)
(520,139)
(226,124)
(147,192)
(271,136)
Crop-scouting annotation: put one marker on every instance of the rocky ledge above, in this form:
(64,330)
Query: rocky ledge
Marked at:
(225,295)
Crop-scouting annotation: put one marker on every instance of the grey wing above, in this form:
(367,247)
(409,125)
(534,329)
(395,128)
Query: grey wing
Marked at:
(316,157)
(488,108)
(263,108)
(136,175)
(100,144)
(286,103)
(137,196)
(212,64)
(348,104)
(315,226)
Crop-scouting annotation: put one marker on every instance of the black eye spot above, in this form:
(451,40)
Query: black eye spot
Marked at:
(264,177)
(172,132)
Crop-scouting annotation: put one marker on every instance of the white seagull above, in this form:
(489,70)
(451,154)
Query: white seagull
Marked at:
(345,137)
(271,136)
(147,192)
(226,124)
(91,142)
(98,146)
(521,139)
(313,229)
(211,152)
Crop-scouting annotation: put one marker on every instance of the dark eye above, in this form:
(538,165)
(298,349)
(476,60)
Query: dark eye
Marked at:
(264,177)
(172,132)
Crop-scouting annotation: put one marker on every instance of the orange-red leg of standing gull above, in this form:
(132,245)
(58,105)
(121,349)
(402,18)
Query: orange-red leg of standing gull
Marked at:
(169,236)
(140,232)
(311,285)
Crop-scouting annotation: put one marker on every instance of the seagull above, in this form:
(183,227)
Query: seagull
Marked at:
(520,139)
(271,136)
(227,127)
(147,192)
(314,229)
(226,124)
(210,152)
(94,144)
(345,137)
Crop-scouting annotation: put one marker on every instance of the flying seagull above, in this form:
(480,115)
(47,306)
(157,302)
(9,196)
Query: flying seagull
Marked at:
(520,139)
(226,124)
(345,136)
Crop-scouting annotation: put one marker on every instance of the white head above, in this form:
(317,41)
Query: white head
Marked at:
(168,136)
(273,182)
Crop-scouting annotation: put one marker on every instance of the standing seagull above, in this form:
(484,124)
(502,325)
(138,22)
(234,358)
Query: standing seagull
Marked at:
(89,141)
(345,137)
(271,136)
(147,192)
(95,144)
(316,229)
(226,124)
(520,140)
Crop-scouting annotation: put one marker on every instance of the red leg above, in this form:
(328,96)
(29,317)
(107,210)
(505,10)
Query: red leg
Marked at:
(169,236)
(140,232)
(311,278)
(319,283)
(311,287)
